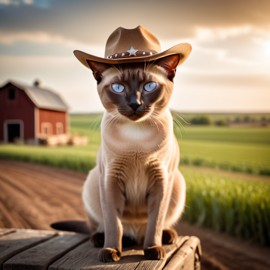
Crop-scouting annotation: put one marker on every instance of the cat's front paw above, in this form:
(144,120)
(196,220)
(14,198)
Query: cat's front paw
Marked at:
(154,253)
(109,255)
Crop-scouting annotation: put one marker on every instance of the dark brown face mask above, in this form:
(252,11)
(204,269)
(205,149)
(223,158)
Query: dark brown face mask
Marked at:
(135,90)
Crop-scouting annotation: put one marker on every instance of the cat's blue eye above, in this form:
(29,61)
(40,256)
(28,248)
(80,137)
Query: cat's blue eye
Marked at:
(118,88)
(150,86)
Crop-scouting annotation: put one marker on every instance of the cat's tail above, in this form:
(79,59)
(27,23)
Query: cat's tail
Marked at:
(79,226)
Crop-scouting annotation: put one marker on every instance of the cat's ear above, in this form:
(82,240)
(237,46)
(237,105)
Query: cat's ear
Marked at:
(169,63)
(97,69)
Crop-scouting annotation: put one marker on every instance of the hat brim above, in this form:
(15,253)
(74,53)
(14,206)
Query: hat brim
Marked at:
(182,49)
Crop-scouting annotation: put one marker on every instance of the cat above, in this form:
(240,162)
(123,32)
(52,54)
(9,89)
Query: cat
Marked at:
(136,191)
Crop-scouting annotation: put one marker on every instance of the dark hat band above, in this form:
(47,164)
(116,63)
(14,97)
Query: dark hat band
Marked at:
(132,52)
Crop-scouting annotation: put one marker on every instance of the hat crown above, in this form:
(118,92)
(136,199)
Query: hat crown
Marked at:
(139,38)
(133,46)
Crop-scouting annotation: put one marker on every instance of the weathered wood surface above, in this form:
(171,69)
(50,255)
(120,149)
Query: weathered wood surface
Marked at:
(32,249)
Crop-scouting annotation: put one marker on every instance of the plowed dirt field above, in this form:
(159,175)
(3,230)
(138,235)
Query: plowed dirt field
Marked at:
(33,196)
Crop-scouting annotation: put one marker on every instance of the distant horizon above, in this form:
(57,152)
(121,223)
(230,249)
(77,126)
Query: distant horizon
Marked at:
(101,109)
(190,112)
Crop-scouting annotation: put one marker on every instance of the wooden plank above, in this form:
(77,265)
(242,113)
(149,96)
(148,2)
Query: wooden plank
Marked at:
(187,256)
(40,256)
(170,250)
(6,231)
(18,241)
(192,248)
(31,249)
(130,259)
(128,266)
(85,257)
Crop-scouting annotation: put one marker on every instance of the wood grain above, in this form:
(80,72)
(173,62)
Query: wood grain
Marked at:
(42,255)
(185,258)
(17,241)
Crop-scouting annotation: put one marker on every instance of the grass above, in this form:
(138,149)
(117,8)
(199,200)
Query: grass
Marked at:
(255,135)
(229,204)
(86,124)
(78,158)
(244,157)
(229,148)
(228,118)
(235,149)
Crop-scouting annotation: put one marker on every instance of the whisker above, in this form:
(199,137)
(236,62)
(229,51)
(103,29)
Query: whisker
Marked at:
(95,123)
(153,120)
(180,123)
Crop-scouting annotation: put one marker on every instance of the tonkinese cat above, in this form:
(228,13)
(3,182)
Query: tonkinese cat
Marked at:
(136,193)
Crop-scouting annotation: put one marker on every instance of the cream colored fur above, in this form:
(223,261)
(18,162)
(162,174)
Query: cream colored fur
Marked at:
(136,188)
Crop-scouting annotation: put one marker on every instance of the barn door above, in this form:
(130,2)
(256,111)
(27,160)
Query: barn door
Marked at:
(13,132)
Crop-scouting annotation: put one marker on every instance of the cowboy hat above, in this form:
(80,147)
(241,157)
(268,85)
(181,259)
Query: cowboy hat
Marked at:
(133,45)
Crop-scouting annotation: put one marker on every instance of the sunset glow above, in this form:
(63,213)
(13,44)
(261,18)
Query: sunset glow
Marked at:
(228,69)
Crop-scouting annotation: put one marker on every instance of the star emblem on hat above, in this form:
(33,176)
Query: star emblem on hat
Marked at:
(132,51)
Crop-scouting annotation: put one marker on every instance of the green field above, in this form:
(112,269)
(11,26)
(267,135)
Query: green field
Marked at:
(247,135)
(229,203)
(217,196)
(235,149)
(242,157)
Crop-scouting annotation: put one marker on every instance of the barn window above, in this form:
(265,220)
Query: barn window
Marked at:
(59,128)
(11,94)
(46,129)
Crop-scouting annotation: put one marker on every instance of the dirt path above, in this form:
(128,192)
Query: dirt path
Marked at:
(33,196)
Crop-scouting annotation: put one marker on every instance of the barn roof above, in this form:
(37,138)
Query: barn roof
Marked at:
(42,97)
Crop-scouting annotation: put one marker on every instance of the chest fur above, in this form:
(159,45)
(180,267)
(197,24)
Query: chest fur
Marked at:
(128,151)
(132,138)
(136,187)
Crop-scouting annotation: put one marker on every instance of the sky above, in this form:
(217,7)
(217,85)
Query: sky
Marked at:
(227,71)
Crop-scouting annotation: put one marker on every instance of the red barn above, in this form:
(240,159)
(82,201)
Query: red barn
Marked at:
(31,113)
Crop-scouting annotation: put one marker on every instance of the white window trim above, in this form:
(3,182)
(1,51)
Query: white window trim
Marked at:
(59,125)
(46,125)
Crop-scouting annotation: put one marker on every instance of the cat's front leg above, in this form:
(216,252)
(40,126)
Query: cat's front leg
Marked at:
(157,204)
(112,201)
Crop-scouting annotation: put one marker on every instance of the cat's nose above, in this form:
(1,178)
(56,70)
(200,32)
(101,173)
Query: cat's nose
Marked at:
(134,105)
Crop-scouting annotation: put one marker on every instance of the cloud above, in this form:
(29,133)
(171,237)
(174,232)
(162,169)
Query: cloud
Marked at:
(41,44)
(221,33)
(16,2)
(221,92)
(92,21)
(9,2)
(9,38)
(239,50)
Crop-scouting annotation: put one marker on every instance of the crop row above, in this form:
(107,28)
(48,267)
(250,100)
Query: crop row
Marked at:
(238,207)
(75,158)
(200,162)
(247,158)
